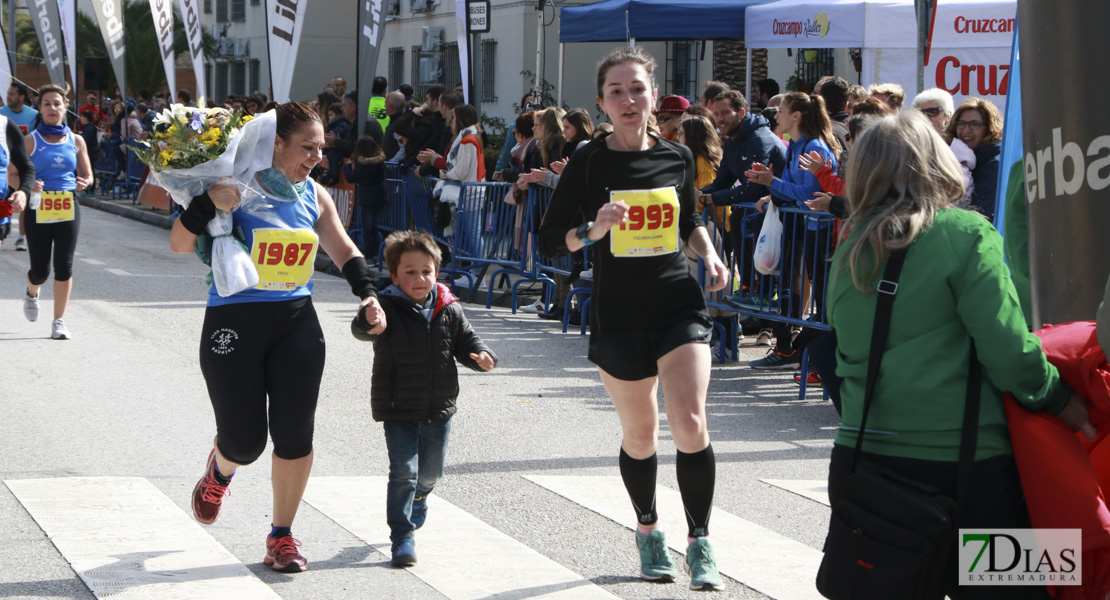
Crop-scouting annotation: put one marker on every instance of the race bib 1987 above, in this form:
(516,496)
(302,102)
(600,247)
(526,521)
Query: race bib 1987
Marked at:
(283,257)
(652,225)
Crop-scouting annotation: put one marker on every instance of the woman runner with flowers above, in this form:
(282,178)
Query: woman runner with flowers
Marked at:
(265,343)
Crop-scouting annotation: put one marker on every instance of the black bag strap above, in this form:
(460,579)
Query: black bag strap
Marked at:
(887,289)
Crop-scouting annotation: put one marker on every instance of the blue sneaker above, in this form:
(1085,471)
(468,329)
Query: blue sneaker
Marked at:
(655,557)
(757,303)
(419,511)
(701,565)
(404,553)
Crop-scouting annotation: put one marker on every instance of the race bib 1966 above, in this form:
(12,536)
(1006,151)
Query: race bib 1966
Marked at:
(652,225)
(55,207)
(283,257)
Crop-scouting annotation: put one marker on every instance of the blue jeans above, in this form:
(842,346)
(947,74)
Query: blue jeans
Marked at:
(417,451)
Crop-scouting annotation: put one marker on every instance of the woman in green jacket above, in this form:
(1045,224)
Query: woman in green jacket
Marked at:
(954,289)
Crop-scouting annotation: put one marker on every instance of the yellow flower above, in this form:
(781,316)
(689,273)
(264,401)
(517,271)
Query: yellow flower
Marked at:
(246,118)
(211,137)
(167,155)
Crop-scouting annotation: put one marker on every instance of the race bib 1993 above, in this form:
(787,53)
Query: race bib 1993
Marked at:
(651,228)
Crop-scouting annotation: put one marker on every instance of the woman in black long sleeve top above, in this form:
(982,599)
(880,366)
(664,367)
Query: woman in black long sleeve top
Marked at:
(649,323)
(366,169)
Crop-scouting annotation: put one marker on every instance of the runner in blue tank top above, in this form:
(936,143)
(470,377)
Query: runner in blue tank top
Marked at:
(264,345)
(62,168)
(13,152)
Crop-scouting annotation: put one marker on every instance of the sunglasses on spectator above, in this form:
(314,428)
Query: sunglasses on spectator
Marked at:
(931,112)
(972,125)
(663,118)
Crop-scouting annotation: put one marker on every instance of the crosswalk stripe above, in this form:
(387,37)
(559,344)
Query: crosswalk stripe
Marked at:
(124,537)
(755,556)
(448,546)
(814,489)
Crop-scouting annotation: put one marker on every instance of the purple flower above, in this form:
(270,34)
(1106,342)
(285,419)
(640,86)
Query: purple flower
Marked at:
(198,122)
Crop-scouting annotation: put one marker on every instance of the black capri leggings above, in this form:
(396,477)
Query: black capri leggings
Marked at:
(255,350)
(44,237)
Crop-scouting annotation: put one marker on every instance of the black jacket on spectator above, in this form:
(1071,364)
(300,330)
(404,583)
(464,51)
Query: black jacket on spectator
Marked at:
(754,142)
(438,139)
(415,377)
(985,177)
(512,172)
(370,181)
(346,144)
(408,125)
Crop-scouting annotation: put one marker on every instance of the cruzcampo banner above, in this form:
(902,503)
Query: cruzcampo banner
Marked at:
(162,11)
(1067,156)
(109,14)
(44,15)
(190,16)
(284,22)
(369,43)
(67,11)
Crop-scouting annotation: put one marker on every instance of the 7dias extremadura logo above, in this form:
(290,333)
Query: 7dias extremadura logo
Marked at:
(1021,557)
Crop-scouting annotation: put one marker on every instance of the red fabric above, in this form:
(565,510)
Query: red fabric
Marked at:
(830,181)
(5,209)
(476,141)
(1062,474)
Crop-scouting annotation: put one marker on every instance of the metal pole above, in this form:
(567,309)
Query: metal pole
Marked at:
(748,72)
(11,34)
(475,94)
(559,101)
(537,89)
(923,8)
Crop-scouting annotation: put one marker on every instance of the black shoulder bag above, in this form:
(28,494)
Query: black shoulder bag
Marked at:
(891,536)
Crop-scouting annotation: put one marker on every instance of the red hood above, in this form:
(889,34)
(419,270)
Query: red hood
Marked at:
(443,298)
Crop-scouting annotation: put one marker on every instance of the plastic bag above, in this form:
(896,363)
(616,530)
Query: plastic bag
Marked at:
(768,250)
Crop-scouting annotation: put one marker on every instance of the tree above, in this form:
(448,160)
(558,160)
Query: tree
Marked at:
(144,63)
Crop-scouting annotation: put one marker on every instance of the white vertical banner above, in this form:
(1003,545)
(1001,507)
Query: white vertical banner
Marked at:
(284,21)
(464,54)
(190,16)
(109,14)
(67,10)
(5,63)
(162,11)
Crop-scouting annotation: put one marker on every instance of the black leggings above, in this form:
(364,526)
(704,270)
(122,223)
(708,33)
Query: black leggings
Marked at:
(257,349)
(44,237)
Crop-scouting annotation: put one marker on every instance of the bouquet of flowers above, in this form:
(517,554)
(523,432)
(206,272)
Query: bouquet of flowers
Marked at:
(194,149)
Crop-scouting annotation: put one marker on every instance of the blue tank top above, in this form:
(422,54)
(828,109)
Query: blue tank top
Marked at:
(4,155)
(55,164)
(300,215)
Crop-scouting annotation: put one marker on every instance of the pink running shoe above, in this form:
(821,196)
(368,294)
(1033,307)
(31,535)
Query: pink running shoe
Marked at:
(282,555)
(208,495)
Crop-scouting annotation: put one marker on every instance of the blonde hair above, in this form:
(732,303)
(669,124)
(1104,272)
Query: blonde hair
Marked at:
(895,94)
(552,120)
(900,173)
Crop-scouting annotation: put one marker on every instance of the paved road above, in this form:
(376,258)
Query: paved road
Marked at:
(102,438)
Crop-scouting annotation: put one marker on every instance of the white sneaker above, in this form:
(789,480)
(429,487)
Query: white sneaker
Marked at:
(587,274)
(463,282)
(534,309)
(30,307)
(59,331)
(21,246)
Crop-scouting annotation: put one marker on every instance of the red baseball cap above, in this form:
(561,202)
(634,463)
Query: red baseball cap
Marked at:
(673,104)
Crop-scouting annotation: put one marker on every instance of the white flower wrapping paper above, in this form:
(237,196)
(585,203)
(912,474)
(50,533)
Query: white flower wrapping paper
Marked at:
(248,151)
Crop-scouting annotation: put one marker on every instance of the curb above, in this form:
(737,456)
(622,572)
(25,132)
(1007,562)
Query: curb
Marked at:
(163,221)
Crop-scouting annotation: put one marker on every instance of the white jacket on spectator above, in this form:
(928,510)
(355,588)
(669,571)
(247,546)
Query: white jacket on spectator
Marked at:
(966,157)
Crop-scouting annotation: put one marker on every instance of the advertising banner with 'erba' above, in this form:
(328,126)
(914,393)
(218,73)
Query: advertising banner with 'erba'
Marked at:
(190,15)
(44,15)
(284,21)
(109,15)
(369,40)
(162,11)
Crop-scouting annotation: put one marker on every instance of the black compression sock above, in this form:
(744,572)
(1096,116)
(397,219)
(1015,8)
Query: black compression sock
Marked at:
(639,480)
(697,474)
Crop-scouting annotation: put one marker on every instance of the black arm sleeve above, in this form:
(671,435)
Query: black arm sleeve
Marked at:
(358,275)
(838,207)
(17,155)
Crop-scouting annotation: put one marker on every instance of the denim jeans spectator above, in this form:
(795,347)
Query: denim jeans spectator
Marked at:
(417,451)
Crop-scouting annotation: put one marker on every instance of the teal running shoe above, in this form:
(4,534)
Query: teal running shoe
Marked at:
(655,557)
(701,565)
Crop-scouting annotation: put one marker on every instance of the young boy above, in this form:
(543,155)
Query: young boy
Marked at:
(415,382)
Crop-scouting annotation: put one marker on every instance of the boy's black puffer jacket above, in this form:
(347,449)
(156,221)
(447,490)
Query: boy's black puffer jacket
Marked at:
(415,377)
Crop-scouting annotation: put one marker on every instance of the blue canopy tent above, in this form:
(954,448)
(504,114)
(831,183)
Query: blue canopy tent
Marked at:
(651,20)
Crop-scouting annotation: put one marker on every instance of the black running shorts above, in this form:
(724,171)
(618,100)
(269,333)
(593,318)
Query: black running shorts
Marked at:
(634,355)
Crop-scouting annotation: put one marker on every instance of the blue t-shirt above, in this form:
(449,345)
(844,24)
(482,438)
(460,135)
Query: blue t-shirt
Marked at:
(55,163)
(798,184)
(4,159)
(25,118)
(301,214)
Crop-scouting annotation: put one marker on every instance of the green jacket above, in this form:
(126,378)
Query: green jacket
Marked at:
(376,109)
(954,287)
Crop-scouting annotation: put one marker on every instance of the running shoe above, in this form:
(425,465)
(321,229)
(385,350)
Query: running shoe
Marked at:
(31,307)
(777,360)
(747,302)
(587,274)
(765,338)
(419,511)
(21,244)
(463,282)
(404,553)
(282,555)
(701,565)
(655,557)
(58,330)
(813,379)
(534,309)
(208,495)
